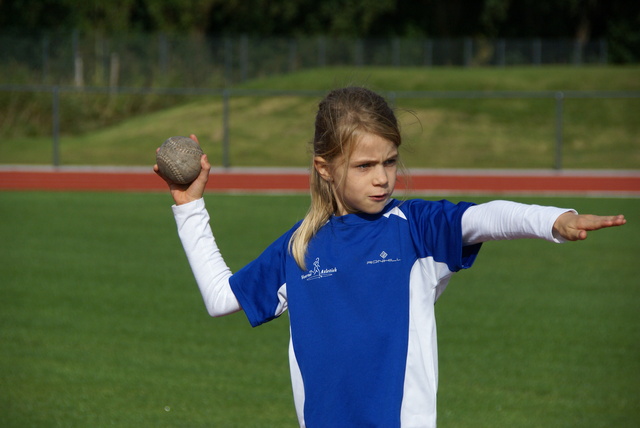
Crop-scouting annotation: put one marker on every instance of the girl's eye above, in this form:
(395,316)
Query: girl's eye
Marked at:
(390,162)
(363,166)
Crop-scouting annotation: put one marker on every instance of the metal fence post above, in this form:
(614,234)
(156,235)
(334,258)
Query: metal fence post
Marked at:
(577,52)
(78,64)
(45,59)
(501,47)
(56,125)
(322,51)
(225,128)
(293,54)
(163,53)
(604,55)
(468,52)
(244,58)
(396,51)
(428,52)
(537,52)
(228,61)
(358,52)
(559,129)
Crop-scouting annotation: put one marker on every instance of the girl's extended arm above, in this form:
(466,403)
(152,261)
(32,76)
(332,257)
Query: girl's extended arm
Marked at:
(500,220)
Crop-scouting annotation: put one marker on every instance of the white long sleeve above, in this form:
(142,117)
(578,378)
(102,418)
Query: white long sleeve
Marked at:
(502,220)
(497,220)
(208,266)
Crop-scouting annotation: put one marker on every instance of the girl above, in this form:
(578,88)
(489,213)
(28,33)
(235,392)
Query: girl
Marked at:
(360,274)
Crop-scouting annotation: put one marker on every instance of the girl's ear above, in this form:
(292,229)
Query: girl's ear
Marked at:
(322,166)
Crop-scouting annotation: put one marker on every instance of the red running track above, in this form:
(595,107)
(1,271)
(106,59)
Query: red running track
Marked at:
(595,183)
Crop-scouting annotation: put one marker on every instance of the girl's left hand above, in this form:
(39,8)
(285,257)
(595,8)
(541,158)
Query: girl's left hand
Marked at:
(574,227)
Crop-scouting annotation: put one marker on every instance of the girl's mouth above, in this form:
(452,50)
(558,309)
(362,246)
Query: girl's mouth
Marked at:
(379,198)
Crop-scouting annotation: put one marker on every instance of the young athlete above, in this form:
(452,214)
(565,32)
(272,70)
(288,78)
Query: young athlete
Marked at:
(360,274)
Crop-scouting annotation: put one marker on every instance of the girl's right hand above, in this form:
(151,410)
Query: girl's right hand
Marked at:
(574,227)
(185,193)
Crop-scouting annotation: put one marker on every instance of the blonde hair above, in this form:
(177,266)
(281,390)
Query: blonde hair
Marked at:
(344,115)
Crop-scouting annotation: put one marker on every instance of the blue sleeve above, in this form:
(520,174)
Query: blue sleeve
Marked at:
(437,232)
(256,286)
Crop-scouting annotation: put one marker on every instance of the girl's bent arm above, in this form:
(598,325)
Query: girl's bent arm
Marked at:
(208,266)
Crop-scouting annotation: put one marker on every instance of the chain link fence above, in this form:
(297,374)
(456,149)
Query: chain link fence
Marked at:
(163,60)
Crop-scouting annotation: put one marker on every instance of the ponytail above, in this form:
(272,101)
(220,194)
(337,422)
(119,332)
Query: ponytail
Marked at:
(320,211)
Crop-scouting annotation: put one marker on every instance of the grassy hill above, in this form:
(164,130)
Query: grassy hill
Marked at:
(269,130)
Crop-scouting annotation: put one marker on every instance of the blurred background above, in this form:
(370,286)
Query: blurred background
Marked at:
(500,83)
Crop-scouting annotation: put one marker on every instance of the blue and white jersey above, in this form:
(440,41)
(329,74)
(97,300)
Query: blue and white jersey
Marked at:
(363,348)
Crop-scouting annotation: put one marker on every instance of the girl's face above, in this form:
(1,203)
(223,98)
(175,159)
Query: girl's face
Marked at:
(367,182)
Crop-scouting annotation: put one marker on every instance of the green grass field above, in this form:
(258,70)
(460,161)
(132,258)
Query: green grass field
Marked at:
(103,129)
(101,323)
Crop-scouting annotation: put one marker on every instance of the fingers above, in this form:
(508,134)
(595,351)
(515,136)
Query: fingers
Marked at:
(575,234)
(574,227)
(205,168)
(156,169)
(593,222)
(618,220)
(204,162)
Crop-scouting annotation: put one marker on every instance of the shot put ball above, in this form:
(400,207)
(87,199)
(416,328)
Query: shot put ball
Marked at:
(178,159)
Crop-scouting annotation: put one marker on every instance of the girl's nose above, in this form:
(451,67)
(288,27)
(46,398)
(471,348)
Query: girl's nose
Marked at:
(380,178)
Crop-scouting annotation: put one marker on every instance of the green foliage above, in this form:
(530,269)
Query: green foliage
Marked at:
(101,323)
(581,20)
(625,41)
(29,114)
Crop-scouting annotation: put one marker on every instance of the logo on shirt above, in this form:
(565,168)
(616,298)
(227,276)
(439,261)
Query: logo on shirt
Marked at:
(317,272)
(383,259)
